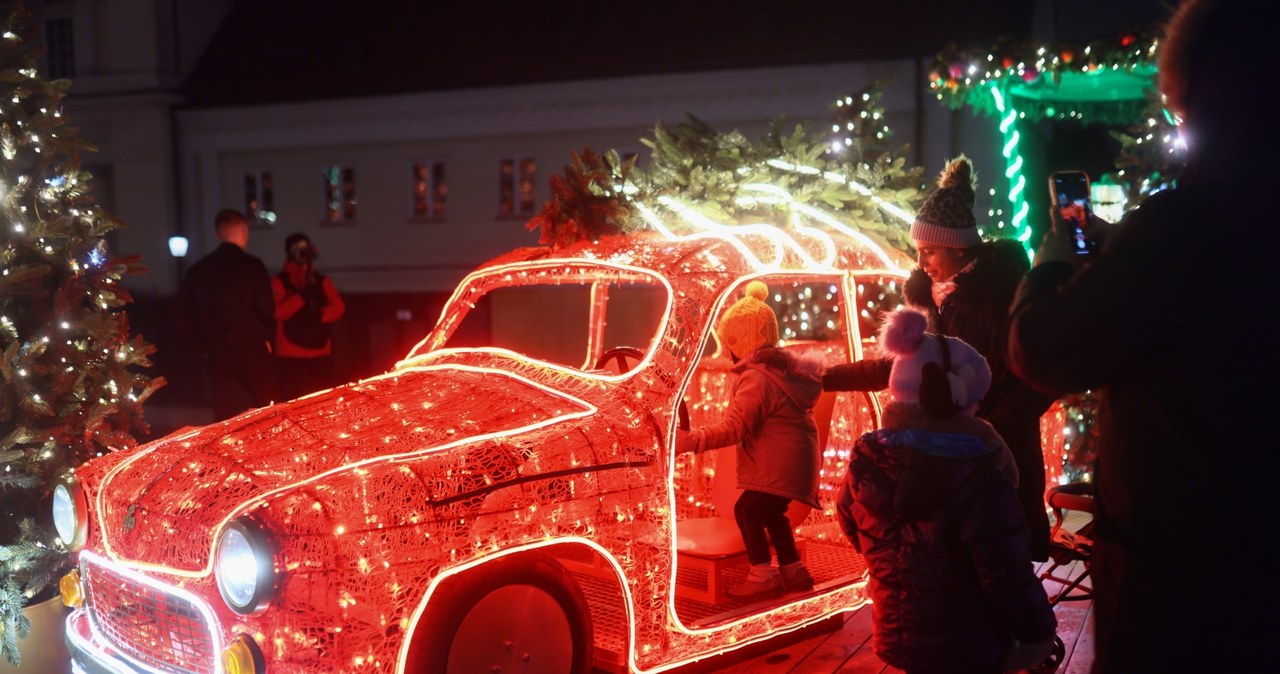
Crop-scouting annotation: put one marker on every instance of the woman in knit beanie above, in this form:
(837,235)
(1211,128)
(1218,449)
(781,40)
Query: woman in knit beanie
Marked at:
(965,286)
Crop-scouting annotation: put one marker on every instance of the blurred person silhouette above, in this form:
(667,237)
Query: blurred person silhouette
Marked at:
(965,285)
(1171,325)
(224,307)
(306,306)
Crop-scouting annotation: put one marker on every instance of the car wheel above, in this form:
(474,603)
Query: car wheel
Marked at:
(521,613)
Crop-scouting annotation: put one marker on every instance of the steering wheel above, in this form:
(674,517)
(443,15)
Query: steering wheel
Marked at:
(620,354)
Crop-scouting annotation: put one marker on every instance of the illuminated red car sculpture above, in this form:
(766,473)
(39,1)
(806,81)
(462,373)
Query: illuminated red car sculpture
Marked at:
(506,499)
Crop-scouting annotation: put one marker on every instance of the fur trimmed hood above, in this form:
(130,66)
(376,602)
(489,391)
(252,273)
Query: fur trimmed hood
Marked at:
(996,270)
(808,366)
(800,377)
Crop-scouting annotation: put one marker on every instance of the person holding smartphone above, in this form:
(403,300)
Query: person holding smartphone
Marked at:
(966,285)
(1171,324)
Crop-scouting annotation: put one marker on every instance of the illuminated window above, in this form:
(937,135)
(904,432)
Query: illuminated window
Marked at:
(430,190)
(60,50)
(259,199)
(339,184)
(877,297)
(516,180)
(807,311)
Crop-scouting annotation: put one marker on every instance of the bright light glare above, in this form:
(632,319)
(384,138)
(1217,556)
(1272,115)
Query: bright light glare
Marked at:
(237,568)
(178,246)
(64,514)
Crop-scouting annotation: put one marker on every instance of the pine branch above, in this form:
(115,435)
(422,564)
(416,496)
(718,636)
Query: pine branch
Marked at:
(70,385)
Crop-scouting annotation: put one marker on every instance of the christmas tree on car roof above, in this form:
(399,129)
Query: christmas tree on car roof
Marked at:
(70,385)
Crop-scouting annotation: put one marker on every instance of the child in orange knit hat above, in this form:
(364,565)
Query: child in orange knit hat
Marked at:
(770,419)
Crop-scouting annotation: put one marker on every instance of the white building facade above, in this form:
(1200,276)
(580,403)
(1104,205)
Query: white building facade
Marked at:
(402,193)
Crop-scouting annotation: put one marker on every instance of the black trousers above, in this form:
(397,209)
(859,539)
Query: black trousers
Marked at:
(242,375)
(762,518)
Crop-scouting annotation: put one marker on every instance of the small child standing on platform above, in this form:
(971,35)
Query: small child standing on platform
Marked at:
(930,501)
(770,419)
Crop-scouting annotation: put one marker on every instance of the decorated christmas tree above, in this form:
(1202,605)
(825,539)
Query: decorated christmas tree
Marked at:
(70,386)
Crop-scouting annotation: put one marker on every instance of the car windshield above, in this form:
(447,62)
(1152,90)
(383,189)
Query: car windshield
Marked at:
(570,315)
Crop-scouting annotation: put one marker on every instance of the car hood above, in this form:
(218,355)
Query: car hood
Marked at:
(167,501)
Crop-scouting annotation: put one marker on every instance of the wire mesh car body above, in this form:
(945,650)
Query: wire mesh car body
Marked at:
(507,496)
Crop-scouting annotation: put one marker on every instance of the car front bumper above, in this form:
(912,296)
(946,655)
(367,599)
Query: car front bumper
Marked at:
(91,656)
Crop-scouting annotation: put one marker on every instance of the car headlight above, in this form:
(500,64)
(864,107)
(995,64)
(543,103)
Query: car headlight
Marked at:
(244,566)
(70,514)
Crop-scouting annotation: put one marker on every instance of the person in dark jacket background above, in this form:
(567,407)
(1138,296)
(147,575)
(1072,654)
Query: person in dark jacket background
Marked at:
(966,286)
(770,419)
(1172,324)
(929,501)
(225,307)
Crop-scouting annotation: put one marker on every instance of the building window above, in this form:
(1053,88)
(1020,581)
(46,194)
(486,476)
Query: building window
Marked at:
(259,199)
(339,193)
(430,190)
(60,51)
(516,178)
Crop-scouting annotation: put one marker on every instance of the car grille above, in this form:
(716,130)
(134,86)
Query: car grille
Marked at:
(164,631)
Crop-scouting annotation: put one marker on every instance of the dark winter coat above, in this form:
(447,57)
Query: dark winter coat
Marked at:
(770,419)
(225,299)
(1173,325)
(946,545)
(976,312)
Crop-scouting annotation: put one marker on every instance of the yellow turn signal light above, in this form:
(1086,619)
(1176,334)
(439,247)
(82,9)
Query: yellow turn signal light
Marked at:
(71,590)
(242,656)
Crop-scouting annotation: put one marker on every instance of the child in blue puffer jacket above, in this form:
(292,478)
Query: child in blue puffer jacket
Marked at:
(930,501)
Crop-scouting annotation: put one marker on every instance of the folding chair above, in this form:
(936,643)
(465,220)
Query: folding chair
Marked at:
(1070,545)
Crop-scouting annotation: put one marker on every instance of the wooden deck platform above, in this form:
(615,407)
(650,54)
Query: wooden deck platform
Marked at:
(848,649)
(843,644)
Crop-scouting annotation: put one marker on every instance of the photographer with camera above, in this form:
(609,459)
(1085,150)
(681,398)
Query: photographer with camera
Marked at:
(307,305)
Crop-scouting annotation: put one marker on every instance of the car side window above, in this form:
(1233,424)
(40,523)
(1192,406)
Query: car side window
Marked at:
(876,297)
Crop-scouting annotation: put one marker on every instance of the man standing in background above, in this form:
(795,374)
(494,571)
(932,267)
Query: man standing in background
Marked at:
(225,307)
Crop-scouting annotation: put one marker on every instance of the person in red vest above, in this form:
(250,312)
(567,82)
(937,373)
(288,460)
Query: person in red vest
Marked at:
(307,305)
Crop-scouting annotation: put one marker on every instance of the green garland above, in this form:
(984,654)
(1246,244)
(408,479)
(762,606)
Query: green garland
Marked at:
(963,78)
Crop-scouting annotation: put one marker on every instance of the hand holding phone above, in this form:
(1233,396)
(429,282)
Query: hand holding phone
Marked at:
(1070,193)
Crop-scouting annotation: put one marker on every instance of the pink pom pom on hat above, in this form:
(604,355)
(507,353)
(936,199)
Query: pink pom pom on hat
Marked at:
(905,338)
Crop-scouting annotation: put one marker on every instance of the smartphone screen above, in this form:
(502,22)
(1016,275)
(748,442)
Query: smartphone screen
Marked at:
(1070,191)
